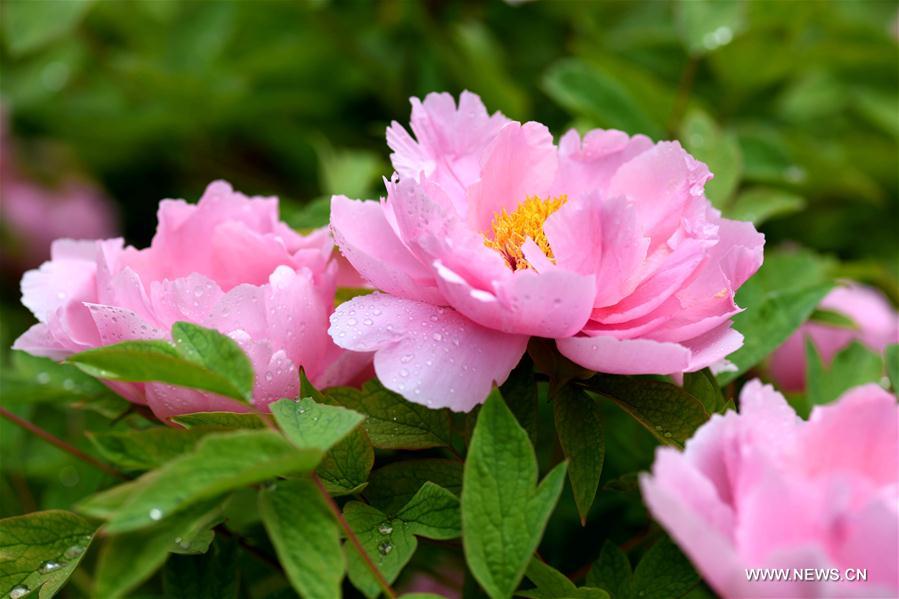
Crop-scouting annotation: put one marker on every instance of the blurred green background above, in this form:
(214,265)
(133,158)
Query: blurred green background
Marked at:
(794,105)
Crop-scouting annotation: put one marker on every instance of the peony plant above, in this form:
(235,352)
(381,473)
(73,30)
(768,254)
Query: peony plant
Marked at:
(765,489)
(397,402)
(490,234)
(251,277)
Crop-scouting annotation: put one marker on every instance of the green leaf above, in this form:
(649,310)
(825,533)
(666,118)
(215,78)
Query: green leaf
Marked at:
(31,379)
(433,513)
(127,560)
(388,543)
(40,550)
(705,25)
(761,204)
(833,318)
(612,571)
(349,172)
(666,410)
(220,462)
(306,537)
(504,512)
(392,486)
(345,468)
(891,357)
(29,25)
(588,91)
(852,366)
(210,576)
(520,393)
(704,139)
(767,323)
(224,421)
(311,425)
(200,358)
(703,386)
(390,421)
(146,449)
(552,584)
(580,429)
(103,505)
(218,353)
(663,573)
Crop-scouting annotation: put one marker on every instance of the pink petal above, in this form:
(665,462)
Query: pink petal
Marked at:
(38,340)
(661,182)
(625,356)
(866,419)
(191,299)
(366,239)
(449,144)
(587,166)
(297,318)
(551,304)
(167,401)
(684,502)
(60,281)
(120,324)
(429,355)
(520,162)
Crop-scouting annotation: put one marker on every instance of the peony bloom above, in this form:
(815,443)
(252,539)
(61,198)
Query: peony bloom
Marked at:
(226,263)
(491,234)
(877,322)
(764,489)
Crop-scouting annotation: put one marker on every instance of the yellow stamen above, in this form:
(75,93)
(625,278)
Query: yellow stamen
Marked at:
(511,229)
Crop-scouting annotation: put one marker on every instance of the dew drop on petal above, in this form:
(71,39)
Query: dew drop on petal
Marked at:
(385,528)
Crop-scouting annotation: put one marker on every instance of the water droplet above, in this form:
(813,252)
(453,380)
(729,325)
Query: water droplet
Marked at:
(658,427)
(73,552)
(437,336)
(50,566)
(368,322)
(385,528)
(18,591)
(434,317)
(43,378)
(404,372)
(407,358)
(383,548)
(269,376)
(667,434)
(68,384)
(352,322)
(156,514)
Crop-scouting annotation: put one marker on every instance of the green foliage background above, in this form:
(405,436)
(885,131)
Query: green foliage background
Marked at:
(794,105)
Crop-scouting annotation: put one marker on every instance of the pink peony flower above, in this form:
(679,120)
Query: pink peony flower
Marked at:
(491,234)
(226,263)
(764,489)
(33,213)
(878,326)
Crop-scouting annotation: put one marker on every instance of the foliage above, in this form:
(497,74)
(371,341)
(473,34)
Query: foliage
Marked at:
(791,104)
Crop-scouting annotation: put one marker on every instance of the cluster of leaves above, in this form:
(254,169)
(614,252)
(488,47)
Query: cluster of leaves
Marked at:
(345,482)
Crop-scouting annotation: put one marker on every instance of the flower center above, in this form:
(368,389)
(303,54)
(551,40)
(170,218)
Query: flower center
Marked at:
(511,229)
